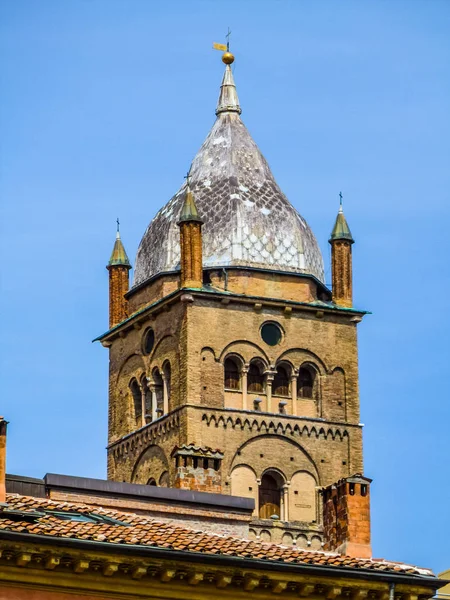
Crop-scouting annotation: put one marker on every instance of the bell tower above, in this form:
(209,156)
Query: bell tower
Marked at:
(233,368)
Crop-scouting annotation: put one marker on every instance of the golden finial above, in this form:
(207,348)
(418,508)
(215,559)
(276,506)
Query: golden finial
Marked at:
(227,57)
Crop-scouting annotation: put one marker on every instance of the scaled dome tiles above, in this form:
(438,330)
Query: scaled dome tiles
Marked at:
(248,221)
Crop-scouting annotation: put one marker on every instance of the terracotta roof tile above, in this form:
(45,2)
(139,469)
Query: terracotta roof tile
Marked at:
(146,531)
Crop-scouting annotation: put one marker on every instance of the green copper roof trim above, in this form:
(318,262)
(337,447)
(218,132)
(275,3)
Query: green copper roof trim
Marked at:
(341,230)
(119,256)
(189,211)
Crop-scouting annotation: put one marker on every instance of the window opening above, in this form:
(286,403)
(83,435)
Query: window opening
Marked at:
(232,375)
(280,384)
(306,380)
(137,398)
(255,379)
(269,497)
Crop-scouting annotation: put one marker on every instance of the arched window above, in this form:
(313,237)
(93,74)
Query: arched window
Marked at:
(167,382)
(270,495)
(255,378)
(159,392)
(306,382)
(151,481)
(232,375)
(280,386)
(137,400)
(147,399)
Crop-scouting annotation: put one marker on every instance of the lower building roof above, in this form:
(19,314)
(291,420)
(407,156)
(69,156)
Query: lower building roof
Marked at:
(76,521)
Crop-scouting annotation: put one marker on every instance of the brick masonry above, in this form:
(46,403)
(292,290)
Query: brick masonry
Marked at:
(314,443)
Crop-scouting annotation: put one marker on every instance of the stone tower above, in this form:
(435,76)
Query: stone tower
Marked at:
(235,369)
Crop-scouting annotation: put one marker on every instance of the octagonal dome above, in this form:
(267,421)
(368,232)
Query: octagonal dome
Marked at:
(248,221)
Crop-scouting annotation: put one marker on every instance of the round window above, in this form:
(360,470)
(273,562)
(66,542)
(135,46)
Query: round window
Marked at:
(271,333)
(149,341)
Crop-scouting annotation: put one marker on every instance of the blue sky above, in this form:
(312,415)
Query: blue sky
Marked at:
(104,103)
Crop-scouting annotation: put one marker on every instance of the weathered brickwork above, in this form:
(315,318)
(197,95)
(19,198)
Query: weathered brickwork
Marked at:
(306,442)
(347,517)
(341,272)
(118,287)
(191,254)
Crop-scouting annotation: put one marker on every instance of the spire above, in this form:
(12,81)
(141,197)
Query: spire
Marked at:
(228,98)
(118,255)
(341,230)
(189,210)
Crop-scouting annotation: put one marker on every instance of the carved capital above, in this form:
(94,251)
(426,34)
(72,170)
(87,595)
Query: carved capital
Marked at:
(110,568)
(167,575)
(250,583)
(306,589)
(51,562)
(222,581)
(23,559)
(80,566)
(138,572)
(195,578)
(279,586)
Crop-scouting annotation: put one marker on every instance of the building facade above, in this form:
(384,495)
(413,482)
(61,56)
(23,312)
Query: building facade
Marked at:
(233,368)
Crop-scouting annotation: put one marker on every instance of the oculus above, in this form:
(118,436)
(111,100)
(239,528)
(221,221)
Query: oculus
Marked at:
(149,341)
(271,333)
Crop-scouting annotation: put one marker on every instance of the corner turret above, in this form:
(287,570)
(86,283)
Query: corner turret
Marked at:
(341,241)
(118,267)
(190,226)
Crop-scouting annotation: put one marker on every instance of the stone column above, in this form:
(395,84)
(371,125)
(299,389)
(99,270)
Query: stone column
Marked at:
(151,385)
(258,481)
(165,394)
(142,405)
(269,381)
(244,374)
(285,496)
(294,376)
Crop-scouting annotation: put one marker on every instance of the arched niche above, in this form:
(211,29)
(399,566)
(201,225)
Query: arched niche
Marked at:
(271,452)
(243,483)
(211,379)
(302,497)
(151,464)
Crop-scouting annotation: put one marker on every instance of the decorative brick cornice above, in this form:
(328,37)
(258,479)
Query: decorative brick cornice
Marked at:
(274,425)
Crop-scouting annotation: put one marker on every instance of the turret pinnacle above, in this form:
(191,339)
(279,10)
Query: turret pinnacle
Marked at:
(228,98)
(118,255)
(341,230)
(189,210)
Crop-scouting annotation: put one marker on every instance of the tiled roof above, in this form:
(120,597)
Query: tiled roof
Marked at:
(144,531)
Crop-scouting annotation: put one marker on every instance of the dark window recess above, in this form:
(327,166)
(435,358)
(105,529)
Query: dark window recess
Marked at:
(255,379)
(280,384)
(269,497)
(207,278)
(149,341)
(137,398)
(306,380)
(271,333)
(232,376)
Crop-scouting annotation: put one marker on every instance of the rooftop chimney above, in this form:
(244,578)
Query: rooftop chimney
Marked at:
(3,425)
(346,516)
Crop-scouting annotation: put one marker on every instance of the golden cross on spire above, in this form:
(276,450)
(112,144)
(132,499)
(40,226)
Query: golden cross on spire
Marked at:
(118,224)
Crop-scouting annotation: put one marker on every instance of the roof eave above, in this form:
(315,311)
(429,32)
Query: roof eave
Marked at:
(225,560)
